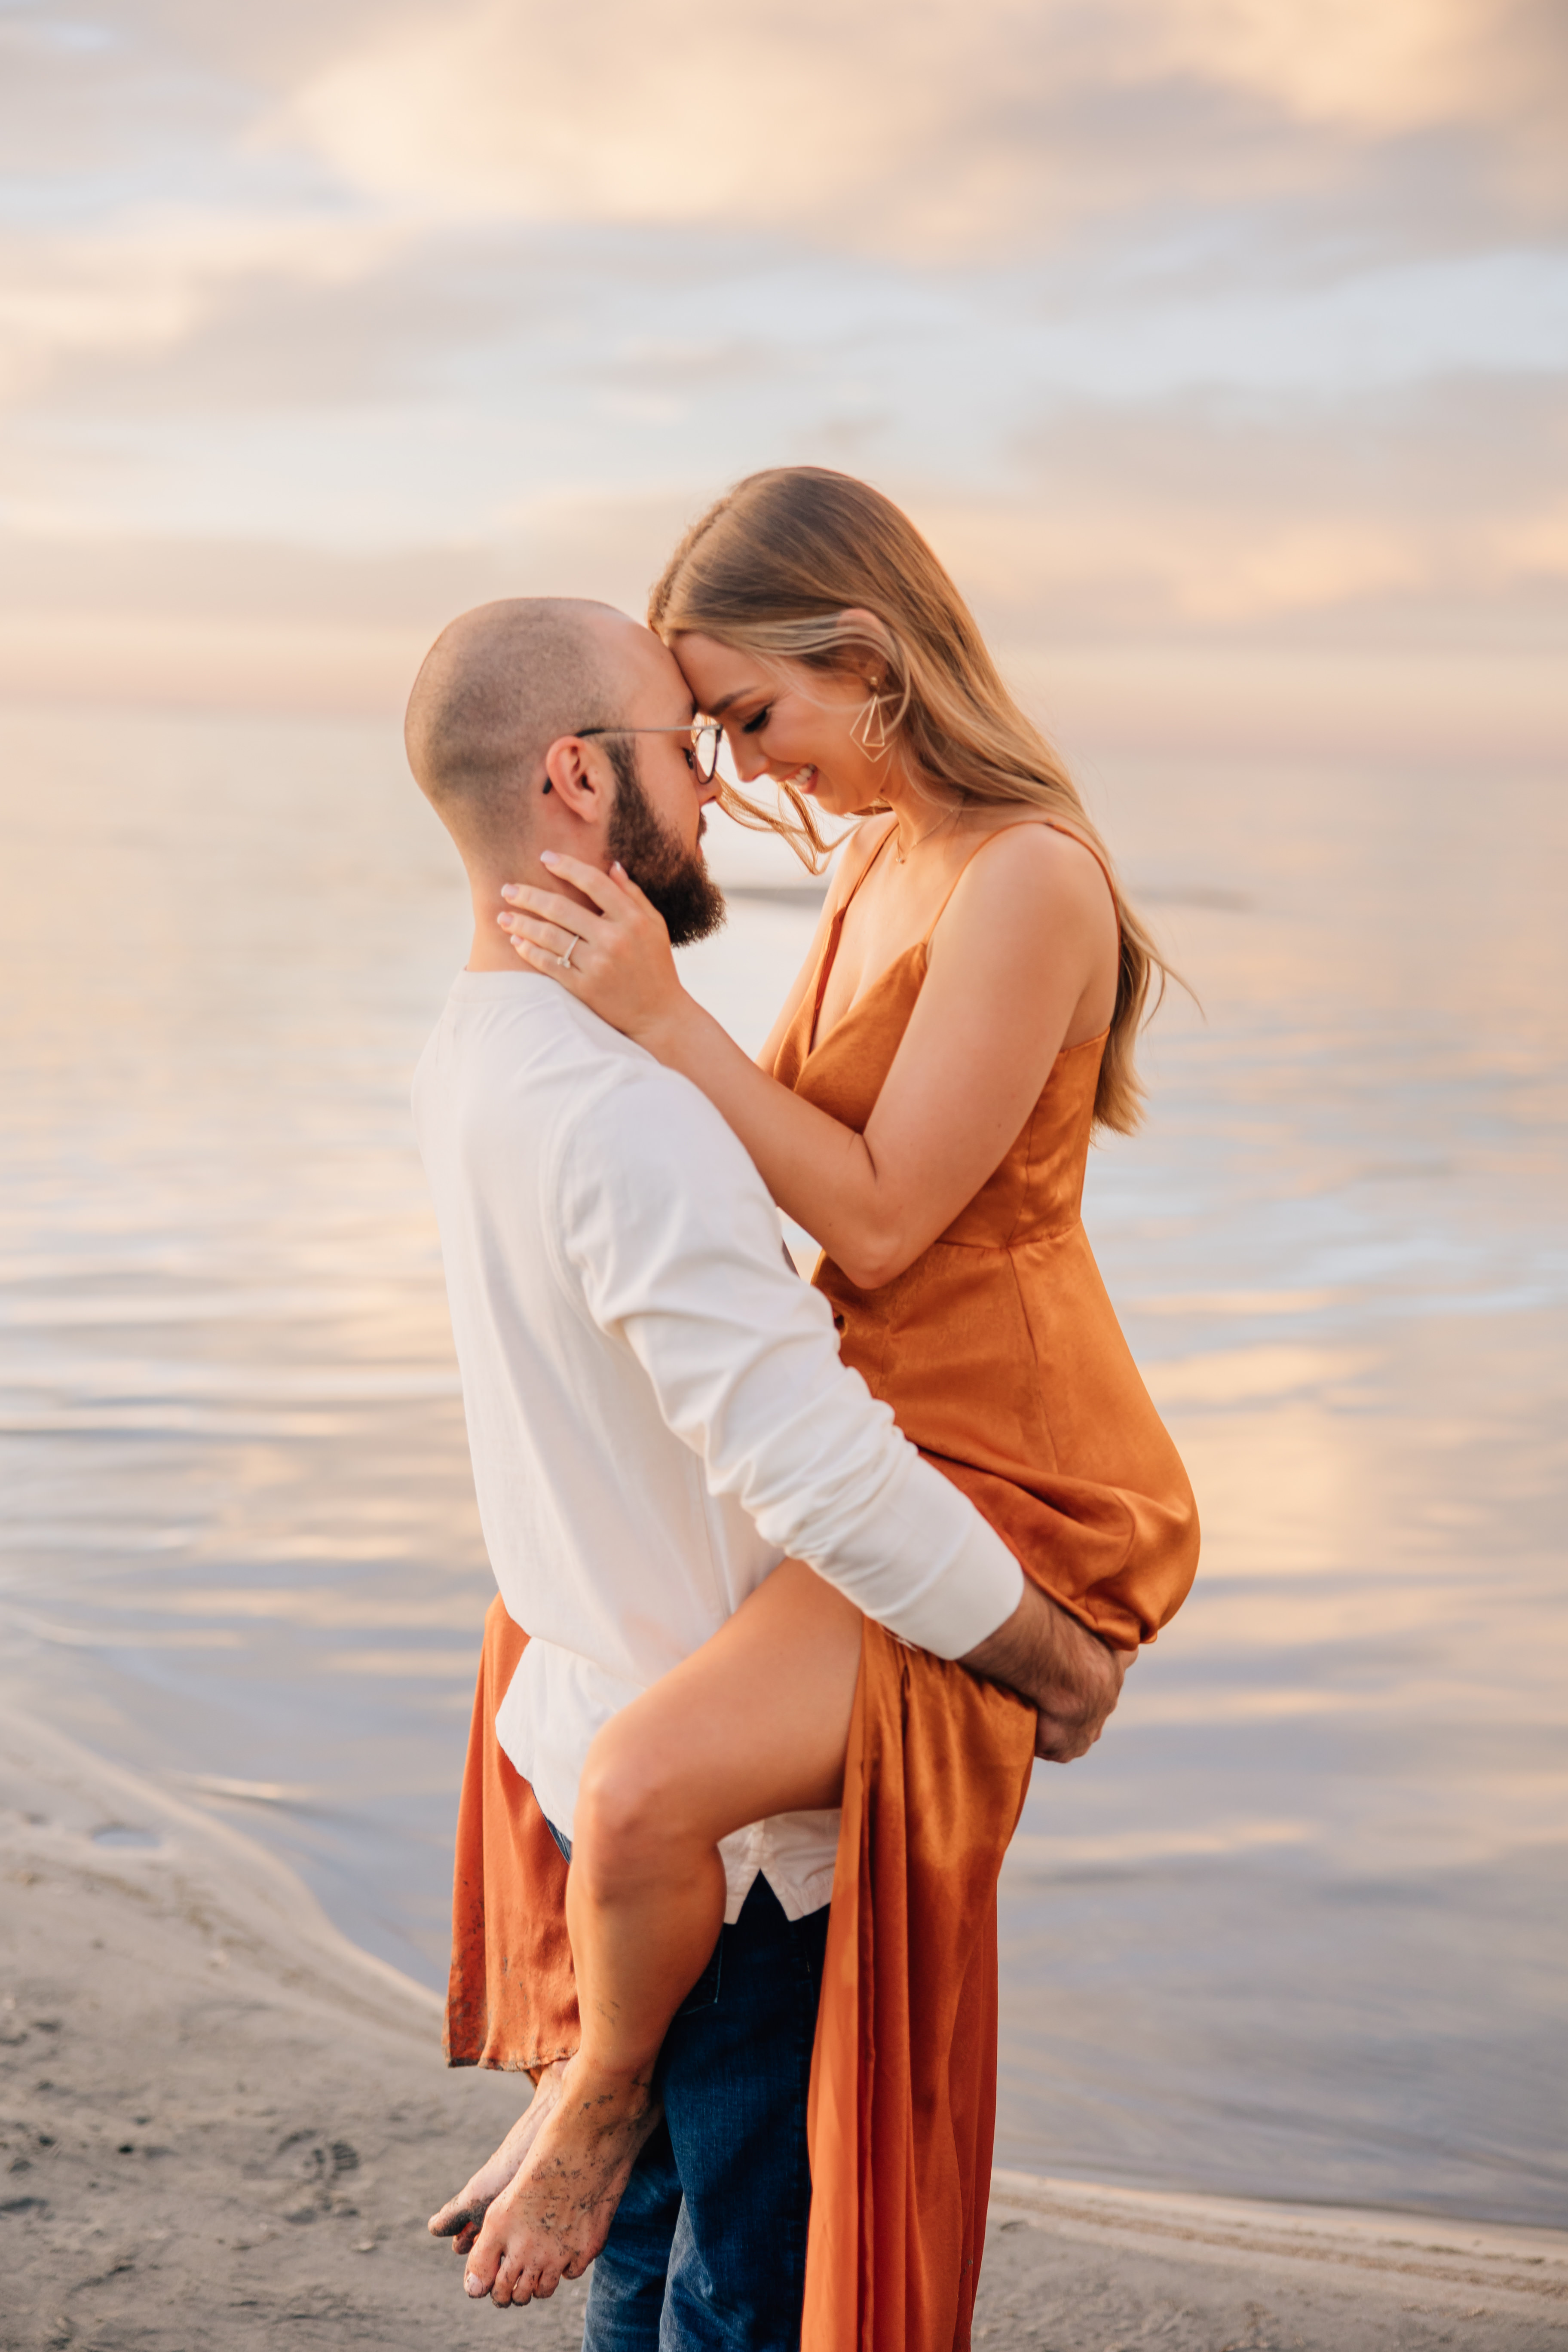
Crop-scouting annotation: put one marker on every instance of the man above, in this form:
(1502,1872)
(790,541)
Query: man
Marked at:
(657,1414)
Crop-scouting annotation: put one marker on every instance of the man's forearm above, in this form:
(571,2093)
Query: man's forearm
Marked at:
(1073,1679)
(680,1259)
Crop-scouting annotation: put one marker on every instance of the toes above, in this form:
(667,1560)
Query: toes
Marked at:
(493,2267)
(460,2214)
(516,2282)
(481,2269)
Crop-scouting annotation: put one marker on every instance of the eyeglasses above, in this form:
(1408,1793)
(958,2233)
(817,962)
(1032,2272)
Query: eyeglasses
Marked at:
(706,737)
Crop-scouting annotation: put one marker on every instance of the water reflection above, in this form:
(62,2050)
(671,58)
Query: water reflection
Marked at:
(1295,1926)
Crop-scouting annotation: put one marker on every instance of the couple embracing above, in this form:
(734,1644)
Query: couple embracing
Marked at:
(796,1581)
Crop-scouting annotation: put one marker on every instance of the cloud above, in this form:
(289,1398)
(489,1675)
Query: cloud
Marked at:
(618,112)
(1413,522)
(267,205)
(1401,518)
(1378,67)
(1175,321)
(148,283)
(938,128)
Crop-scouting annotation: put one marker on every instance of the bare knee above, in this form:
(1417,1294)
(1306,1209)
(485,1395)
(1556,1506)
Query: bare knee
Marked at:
(631,1821)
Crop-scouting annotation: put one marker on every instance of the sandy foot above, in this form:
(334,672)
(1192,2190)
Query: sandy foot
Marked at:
(554,2215)
(461,2217)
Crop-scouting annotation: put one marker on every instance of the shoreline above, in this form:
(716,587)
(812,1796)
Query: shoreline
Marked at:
(221,2120)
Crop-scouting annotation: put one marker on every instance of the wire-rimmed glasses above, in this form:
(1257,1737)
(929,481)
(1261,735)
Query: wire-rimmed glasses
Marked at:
(706,737)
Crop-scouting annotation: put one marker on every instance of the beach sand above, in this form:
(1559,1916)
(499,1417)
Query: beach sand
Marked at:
(222,2127)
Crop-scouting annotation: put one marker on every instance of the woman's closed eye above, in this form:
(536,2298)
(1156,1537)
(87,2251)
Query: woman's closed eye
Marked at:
(759,720)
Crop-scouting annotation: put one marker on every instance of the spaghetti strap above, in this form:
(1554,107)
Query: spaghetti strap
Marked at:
(829,955)
(1052,824)
(836,931)
(849,899)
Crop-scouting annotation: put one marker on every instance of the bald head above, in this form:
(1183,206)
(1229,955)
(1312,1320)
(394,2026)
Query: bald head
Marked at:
(499,686)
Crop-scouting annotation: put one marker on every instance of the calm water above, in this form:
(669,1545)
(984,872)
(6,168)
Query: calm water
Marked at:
(1297,1927)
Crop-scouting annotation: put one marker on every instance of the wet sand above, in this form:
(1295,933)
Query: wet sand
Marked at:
(221,2125)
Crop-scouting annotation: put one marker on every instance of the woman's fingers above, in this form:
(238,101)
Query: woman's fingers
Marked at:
(621,966)
(606,891)
(546,948)
(544,960)
(603,888)
(549,905)
(554,938)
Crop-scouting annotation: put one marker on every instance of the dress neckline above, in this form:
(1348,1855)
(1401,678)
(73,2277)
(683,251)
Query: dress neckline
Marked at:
(829,955)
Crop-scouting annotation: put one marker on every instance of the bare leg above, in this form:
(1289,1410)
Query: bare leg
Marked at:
(755,1723)
(461,2217)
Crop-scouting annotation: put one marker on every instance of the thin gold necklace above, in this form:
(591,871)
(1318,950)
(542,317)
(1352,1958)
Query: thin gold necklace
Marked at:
(920,840)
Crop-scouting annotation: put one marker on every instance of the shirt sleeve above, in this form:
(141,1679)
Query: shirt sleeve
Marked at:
(666,1232)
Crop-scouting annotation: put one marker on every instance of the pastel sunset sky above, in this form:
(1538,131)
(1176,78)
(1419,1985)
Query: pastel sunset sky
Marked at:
(1219,345)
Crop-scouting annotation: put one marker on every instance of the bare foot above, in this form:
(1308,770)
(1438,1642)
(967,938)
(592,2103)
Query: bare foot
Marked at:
(554,2215)
(460,2218)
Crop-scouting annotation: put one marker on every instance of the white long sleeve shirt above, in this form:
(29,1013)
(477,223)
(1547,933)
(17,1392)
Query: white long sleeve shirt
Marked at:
(657,1408)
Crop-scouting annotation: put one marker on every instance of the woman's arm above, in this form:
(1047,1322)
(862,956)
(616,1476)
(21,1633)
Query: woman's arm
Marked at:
(1025,953)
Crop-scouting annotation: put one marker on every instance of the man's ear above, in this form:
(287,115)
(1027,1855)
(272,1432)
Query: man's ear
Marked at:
(578,778)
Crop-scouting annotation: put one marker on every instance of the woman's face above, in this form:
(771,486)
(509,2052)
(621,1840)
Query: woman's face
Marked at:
(787,723)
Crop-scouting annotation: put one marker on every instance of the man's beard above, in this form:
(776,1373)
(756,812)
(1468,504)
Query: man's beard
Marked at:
(674,880)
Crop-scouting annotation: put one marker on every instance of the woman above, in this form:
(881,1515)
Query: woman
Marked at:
(923,1107)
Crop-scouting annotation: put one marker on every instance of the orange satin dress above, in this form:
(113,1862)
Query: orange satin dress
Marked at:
(1001,1356)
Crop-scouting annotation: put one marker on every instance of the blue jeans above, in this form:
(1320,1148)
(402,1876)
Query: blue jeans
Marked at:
(706,2252)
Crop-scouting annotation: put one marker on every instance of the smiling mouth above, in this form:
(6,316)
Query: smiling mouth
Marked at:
(802,779)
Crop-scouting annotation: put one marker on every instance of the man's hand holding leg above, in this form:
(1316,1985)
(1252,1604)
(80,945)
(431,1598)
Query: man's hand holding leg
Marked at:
(1062,1669)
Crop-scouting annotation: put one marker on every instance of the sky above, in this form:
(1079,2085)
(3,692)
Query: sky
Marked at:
(1218,345)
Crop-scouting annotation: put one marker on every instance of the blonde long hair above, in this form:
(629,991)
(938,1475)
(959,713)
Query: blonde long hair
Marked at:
(774,568)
